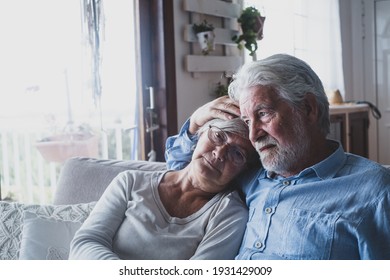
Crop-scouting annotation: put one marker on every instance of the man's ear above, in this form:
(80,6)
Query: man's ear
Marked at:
(310,107)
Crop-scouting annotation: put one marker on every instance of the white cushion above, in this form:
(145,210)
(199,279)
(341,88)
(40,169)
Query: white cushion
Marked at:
(46,238)
(12,219)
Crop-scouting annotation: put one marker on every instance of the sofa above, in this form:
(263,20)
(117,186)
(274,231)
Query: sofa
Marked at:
(45,231)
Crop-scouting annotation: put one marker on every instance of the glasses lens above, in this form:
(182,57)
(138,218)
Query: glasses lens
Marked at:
(217,136)
(237,156)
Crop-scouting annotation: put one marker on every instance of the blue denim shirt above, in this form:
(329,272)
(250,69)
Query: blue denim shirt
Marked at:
(336,209)
(179,148)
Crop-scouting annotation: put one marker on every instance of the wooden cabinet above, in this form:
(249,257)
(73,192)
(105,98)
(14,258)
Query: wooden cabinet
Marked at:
(349,125)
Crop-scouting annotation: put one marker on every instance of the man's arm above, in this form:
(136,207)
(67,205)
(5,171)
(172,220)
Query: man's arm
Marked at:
(179,148)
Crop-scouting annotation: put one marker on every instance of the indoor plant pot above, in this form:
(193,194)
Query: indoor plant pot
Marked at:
(58,148)
(206,36)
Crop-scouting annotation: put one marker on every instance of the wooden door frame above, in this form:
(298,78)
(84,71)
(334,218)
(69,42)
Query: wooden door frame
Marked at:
(157,60)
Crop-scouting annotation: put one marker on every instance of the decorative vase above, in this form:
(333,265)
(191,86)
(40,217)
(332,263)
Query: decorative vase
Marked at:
(206,41)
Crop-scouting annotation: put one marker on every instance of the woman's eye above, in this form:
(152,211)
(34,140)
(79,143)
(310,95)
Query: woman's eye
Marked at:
(218,135)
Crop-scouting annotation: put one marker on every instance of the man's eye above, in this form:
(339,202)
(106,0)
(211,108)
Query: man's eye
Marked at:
(263,114)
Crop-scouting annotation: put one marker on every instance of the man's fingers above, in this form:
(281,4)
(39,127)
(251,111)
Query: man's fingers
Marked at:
(226,105)
(226,115)
(222,108)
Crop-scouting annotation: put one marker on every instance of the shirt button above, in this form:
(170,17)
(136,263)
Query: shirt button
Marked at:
(286,183)
(258,244)
(268,210)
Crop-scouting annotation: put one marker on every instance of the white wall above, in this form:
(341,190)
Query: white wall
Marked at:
(192,90)
(358,35)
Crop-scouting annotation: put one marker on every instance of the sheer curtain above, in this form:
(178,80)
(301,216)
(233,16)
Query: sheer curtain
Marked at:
(47,86)
(307,29)
(44,57)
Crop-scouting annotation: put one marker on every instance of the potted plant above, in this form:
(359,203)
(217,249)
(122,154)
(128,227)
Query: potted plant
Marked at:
(206,36)
(221,90)
(72,142)
(252,24)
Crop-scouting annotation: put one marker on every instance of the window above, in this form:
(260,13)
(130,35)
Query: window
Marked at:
(307,29)
(46,87)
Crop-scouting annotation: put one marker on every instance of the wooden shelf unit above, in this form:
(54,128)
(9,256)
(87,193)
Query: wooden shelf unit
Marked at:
(349,125)
(228,13)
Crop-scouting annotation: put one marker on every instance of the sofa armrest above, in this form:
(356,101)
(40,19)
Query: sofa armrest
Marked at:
(84,180)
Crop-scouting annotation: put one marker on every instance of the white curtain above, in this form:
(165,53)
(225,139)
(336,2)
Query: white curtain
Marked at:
(307,29)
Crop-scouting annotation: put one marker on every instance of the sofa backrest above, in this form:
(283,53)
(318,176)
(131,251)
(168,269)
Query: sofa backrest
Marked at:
(84,180)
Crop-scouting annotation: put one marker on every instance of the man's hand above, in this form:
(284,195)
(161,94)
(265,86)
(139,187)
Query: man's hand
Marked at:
(220,108)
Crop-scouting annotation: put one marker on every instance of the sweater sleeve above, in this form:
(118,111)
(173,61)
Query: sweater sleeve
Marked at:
(95,237)
(224,231)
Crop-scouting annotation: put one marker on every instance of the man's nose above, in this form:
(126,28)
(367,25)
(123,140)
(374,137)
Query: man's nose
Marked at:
(256,131)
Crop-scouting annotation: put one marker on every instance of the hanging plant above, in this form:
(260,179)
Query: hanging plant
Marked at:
(93,26)
(206,37)
(252,24)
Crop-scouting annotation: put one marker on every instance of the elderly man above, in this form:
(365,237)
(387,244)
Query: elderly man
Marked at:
(310,199)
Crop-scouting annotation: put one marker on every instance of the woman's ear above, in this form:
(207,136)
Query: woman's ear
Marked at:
(310,107)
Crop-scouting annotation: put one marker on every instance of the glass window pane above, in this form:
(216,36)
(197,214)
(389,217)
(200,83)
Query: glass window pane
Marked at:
(46,89)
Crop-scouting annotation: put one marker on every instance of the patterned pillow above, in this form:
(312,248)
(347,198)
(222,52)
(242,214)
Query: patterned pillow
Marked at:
(11,221)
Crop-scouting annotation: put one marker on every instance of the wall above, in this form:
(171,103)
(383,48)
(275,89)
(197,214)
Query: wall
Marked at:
(358,37)
(192,90)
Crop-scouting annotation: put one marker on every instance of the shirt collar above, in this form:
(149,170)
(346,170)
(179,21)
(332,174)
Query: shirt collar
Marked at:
(327,168)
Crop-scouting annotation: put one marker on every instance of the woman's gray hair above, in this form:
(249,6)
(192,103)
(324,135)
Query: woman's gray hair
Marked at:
(235,126)
(289,76)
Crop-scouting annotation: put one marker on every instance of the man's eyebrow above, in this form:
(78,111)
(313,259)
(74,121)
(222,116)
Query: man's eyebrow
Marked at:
(262,107)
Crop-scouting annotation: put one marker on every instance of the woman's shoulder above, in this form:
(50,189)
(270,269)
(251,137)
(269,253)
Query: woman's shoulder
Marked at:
(230,207)
(139,178)
(232,199)
(141,173)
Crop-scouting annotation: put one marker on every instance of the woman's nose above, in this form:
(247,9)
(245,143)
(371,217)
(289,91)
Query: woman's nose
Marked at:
(221,152)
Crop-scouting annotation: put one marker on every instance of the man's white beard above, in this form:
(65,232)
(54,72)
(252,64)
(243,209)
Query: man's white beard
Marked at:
(282,159)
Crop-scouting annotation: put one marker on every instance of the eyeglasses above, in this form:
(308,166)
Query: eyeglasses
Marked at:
(219,138)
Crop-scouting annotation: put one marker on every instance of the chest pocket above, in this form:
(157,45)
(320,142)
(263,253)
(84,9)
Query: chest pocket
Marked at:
(308,235)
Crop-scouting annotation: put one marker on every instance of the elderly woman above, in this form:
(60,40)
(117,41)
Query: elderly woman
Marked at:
(194,213)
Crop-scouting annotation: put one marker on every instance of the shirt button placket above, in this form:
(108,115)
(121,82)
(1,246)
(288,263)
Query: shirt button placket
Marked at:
(258,244)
